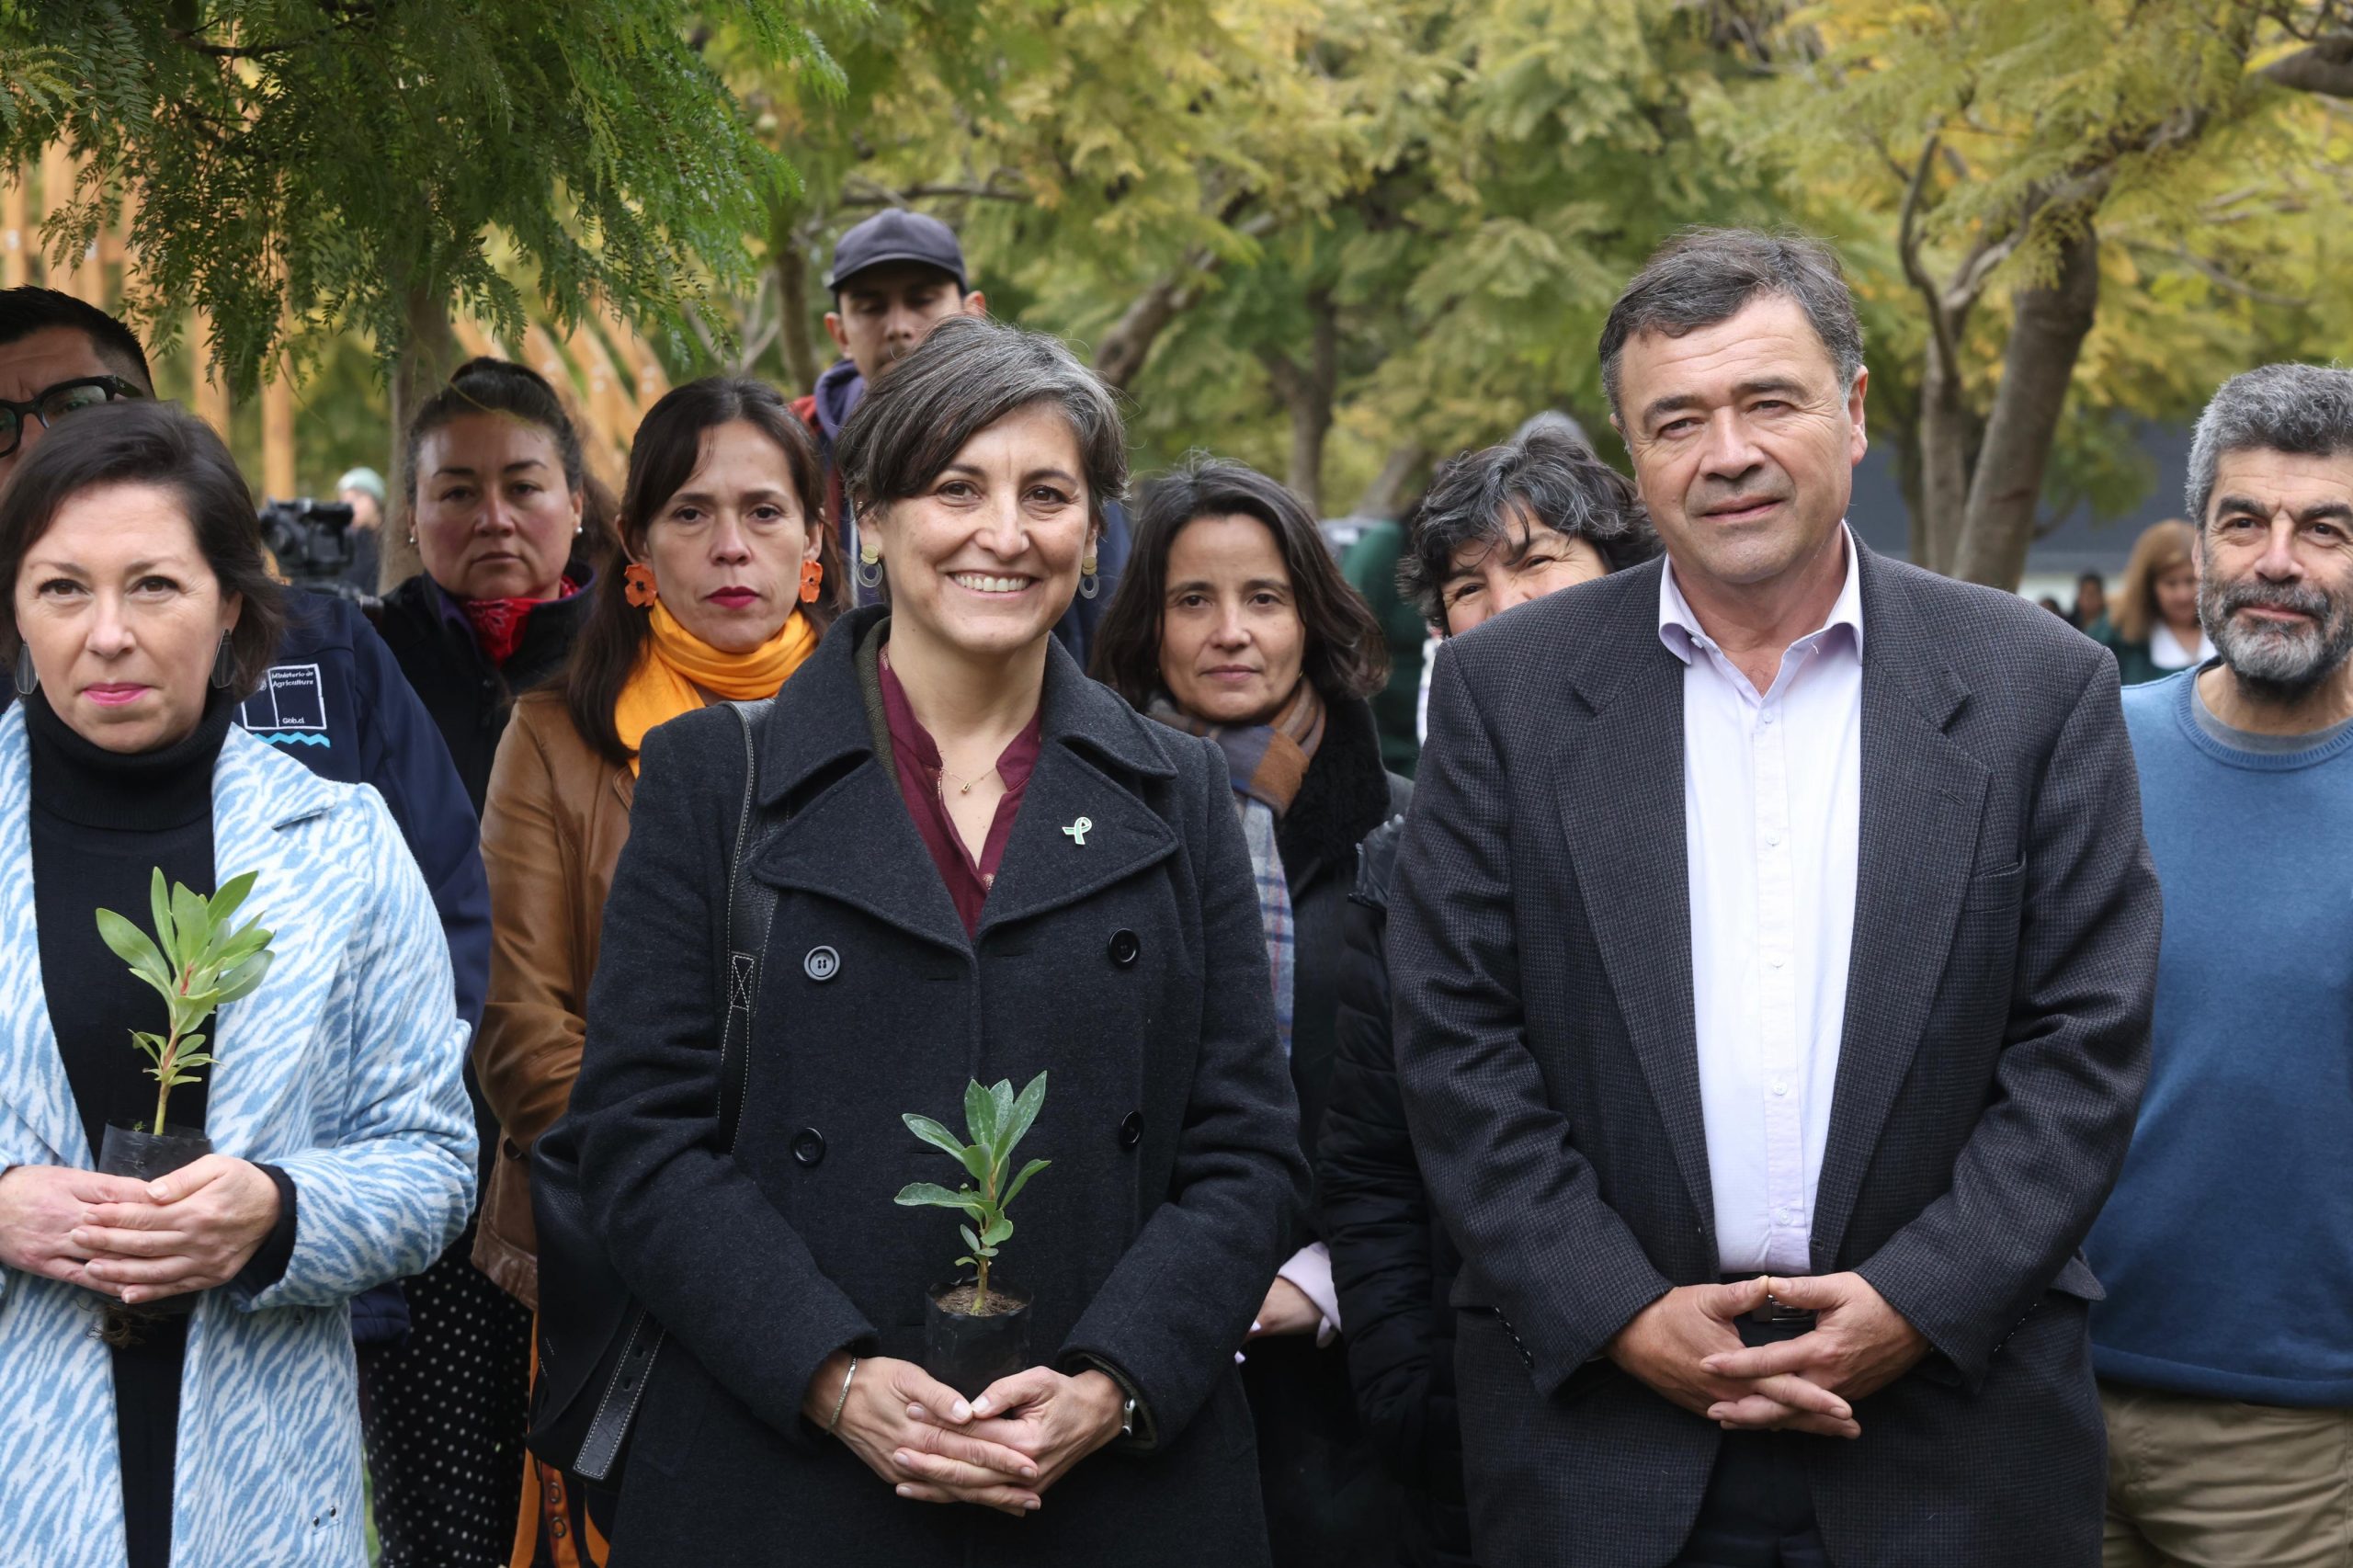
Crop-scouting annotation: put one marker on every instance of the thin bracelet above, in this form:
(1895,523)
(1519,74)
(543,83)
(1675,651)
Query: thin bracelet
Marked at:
(842,1403)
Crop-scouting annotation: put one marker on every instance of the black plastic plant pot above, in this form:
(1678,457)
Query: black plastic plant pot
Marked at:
(142,1156)
(967,1352)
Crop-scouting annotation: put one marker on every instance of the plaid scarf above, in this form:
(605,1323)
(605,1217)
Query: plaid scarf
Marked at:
(1267,764)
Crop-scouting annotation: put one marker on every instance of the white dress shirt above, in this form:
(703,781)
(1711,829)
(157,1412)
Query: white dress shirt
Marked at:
(1772,799)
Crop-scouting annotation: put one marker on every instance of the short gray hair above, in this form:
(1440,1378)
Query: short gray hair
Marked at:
(2304,410)
(1702,277)
(968,373)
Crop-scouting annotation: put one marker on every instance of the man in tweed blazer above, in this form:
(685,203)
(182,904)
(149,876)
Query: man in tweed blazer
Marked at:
(1773,949)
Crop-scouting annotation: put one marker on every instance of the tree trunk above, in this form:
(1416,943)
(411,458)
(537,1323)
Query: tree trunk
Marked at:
(795,343)
(1380,497)
(1128,345)
(2047,331)
(428,353)
(1945,437)
(1309,393)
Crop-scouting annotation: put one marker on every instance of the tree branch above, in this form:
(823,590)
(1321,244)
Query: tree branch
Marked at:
(2325,68)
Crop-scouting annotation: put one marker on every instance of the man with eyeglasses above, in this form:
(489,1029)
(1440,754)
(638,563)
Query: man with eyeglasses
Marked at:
(335,700)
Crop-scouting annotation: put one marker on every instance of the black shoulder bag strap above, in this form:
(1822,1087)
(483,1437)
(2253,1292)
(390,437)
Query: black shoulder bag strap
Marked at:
(628,1360)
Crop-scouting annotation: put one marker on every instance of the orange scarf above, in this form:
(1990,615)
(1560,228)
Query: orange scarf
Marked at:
(675,667)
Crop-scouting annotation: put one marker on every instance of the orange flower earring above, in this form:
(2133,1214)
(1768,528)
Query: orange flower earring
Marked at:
(813,581)
(638,584)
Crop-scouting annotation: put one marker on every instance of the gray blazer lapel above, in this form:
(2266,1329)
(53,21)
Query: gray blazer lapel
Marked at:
(1621,796)
(1923,798)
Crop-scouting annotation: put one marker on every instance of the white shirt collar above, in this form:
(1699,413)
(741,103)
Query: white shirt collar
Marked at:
(1680,629)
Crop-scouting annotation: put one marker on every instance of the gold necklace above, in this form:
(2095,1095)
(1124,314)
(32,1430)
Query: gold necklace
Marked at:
(966,787)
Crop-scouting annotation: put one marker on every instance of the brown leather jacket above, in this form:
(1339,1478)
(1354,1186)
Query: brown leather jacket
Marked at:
(553,829)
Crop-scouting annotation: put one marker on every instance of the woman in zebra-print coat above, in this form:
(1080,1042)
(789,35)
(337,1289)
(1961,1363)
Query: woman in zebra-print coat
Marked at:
(343,1143)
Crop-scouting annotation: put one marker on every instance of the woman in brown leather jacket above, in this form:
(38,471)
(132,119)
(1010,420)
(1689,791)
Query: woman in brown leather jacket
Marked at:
(716,593)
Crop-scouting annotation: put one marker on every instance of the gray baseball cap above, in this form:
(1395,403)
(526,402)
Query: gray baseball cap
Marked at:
(897,235)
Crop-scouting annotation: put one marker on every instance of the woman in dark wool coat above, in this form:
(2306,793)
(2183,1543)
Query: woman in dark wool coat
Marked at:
(987,867)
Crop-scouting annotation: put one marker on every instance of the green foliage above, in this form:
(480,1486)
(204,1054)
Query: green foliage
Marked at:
(995,1119)
(198,960)
(301,168)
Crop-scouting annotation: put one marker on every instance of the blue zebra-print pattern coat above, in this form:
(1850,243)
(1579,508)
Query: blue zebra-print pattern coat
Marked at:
(344,1069)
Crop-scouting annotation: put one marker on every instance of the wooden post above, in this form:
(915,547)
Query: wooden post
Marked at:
(278,479)
(428,353)
(17,237)
(60,173)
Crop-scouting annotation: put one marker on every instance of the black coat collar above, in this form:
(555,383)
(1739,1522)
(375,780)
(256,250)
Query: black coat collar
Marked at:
(848,837)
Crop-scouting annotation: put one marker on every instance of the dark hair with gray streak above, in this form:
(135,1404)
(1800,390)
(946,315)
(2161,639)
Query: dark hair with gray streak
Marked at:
(1702,277)
(968,373)
(2304,410)
(1542,475)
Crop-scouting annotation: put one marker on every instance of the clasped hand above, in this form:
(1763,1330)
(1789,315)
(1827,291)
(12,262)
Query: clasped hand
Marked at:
(1002,1449)
(137,1240)
(1684,1346)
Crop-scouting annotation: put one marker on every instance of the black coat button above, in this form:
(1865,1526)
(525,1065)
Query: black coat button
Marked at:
(809,1146)
(1131,1129)
(822,964)
(1124,948)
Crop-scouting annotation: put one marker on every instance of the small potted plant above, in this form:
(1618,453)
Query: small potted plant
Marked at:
(198,961)
(976,1330)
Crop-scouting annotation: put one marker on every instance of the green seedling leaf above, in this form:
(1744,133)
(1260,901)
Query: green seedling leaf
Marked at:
(231,894)
(130,944)
(1025,1112)
(974,1160)
(191,928)
(970,1240)
(1032,1168)
(159,904)
(980,1115)
(920,1194)
(998,1231)
(240,981)
(1001,1105)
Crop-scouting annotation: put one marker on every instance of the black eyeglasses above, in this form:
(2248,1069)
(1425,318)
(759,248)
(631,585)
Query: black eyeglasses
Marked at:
(52,403)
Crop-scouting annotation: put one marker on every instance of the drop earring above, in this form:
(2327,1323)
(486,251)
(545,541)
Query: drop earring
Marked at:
(813,581)
(1089,584)
(28,677)
(637,585)
(870,565)
(224,664)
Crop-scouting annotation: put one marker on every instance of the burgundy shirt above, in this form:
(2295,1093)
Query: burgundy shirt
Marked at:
(917,757)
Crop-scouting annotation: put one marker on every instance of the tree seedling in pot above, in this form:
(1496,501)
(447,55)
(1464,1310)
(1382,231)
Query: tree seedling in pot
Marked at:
(996,1118)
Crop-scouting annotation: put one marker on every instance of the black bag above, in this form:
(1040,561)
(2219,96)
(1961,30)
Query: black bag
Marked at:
(597,1341)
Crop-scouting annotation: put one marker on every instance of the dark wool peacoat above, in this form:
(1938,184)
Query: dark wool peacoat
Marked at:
(1130,965)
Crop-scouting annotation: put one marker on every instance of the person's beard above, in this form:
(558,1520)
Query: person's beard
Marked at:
(2277,663)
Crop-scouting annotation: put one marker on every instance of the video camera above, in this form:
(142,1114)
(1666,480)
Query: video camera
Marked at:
(314,544)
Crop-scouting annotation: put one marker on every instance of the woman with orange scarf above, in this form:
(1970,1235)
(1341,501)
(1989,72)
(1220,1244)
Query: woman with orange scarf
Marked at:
(720,596)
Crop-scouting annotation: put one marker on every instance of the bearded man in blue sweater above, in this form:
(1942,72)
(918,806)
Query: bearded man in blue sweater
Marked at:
(2226,1346)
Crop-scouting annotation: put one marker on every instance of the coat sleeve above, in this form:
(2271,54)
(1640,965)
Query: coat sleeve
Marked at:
(1180,1304)
(1523,1204)
(2033,1176)
(394,1189)
(1376,1215)
(407,760)
(689,1230)
(528,1050)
